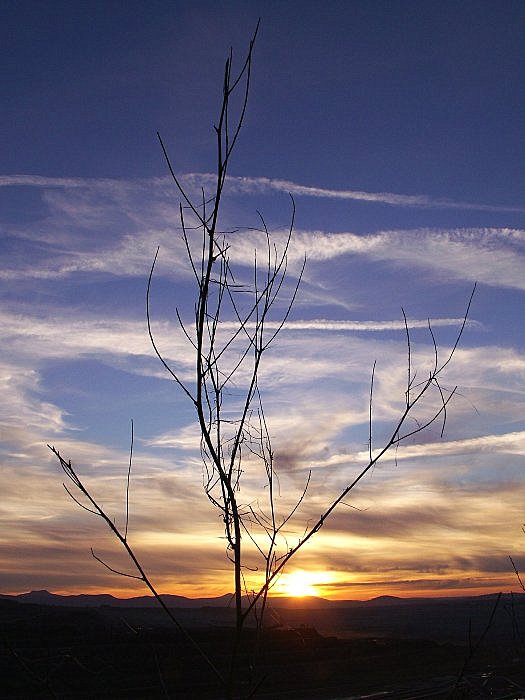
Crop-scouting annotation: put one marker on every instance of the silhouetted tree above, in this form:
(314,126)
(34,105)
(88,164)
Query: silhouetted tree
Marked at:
(229,334)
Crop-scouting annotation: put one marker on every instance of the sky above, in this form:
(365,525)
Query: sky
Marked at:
(398,129)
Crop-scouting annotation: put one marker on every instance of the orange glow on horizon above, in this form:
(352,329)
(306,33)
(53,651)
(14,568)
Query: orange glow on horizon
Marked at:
(301,583)
(299,590)
(302,590)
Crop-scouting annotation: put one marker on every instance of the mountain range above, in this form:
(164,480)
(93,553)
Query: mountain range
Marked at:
(176,601)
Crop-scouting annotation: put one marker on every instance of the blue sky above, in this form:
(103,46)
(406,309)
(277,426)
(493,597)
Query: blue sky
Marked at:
(397,127)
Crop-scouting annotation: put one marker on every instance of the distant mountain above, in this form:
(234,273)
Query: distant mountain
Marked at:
(177,601)
(90,601)
(173,601)
(385,600)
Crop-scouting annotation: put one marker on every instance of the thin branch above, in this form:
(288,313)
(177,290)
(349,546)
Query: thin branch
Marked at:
(409,358)
(395,438)
(461,330)
(127,482)
(141,576)
(473,648)
(150,332)
(115,571)
(370,406)
(517,573)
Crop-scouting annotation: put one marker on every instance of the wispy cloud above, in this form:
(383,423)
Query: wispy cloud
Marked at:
(25,415)
(492,256)
(256,185)
(259,185)
(319,324)
(142,214)
(253,185)
(45,182)
(315,383)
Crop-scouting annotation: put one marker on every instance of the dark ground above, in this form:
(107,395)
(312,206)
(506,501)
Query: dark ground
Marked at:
(401,651)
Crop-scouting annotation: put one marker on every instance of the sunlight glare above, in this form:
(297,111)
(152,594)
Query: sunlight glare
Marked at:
(298,584)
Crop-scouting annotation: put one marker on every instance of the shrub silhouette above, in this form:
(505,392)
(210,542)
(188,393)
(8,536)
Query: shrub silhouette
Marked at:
(229,334)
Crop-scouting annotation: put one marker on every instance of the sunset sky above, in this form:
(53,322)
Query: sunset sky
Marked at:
(398,129)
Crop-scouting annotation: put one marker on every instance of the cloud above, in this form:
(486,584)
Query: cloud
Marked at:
(260,185)
(73,336)
(337,374)
(492,256)
(252,185)
(324,325)
(444,513)
(24,413)
(114,226)
(415,528)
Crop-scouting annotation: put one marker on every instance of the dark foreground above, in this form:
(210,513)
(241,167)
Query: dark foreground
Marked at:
(402,651)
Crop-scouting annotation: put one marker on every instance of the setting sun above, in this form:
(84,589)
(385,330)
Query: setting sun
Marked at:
(298,584)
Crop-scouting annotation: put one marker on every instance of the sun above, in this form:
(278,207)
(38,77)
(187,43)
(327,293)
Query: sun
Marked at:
(299,584)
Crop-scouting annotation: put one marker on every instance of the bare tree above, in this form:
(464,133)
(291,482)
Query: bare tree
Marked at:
(234,322)
(516,570)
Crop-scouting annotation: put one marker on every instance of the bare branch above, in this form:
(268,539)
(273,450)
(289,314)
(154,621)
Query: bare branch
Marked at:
(517,573)
(141,575)
(370,406)
(115,571)
(127,482)
(150,332)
